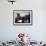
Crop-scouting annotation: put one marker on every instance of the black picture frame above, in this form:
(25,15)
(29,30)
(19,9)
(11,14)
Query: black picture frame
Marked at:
(24,14)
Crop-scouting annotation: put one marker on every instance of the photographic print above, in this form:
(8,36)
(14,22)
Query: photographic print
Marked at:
(22,17)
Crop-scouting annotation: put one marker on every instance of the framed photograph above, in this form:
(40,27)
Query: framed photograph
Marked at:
(22,17)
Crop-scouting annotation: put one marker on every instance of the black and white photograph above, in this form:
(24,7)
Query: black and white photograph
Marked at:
(22,16)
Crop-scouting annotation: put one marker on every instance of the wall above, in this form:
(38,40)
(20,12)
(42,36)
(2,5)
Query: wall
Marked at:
(37,31)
